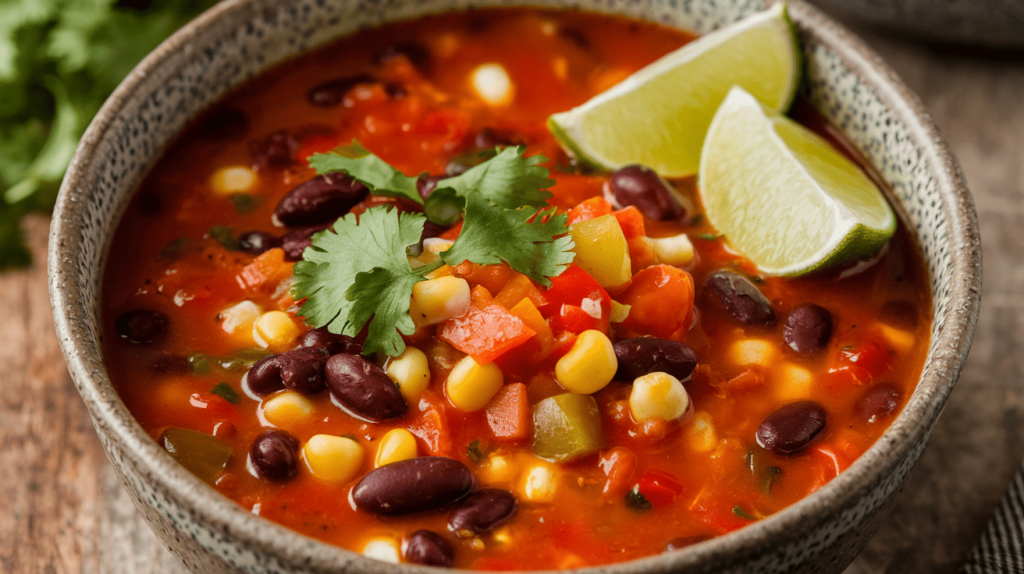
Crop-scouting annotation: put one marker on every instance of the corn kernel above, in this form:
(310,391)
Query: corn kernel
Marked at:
(658,395)
(286,409)
(589,365)
(383,549)
(275,330)
(674,250)
(436,245)
(411,372)
(234,179)
(619,312)
(898,339)
(396,445)
(240,316)
(702,433)
(748,352)
(435,300)
(502,536)
(792,382)
(540,483)
(471,386)
(493,84)
(333,459)
(497,469)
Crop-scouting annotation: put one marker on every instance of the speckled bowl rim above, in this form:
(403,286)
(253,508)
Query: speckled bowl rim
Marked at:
(917,418)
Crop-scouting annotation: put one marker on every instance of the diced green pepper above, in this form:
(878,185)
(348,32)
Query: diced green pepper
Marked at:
(200,453)
(566,427)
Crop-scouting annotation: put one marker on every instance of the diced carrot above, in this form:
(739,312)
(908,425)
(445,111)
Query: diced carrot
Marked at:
(266,271)
(518,288)
(589,209)
(530,315)
(493,277)
(486,331)
(508,414)
(430,425)
(631,221)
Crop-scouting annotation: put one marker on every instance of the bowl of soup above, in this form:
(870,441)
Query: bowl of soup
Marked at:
(626,393)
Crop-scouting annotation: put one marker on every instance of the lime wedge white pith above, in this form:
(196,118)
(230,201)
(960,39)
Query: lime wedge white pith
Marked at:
(783,196)
(658,116)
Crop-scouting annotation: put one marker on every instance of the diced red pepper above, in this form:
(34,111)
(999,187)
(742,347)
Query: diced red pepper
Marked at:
(216,406)
(862,364)
(576,302)
(658,487)
(508,413)
(486,331)
(589,209)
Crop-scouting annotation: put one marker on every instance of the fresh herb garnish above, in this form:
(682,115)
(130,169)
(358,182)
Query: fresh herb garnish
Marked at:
(475,452)
(225,236)
(739,512)
(636,501)
(243,202)
(768,478)
(358,271)
(224,391)
(709,236)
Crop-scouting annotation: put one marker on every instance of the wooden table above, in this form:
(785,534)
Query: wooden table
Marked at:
(62,509)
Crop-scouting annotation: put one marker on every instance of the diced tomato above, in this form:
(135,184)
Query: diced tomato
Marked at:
(589,209)
(660,300)
(430,425)
(516,289)
(486,331)
(492,277)
(452,233)
(862,364)
(265,272)
(216,406)
(576,302)
(619,465)
(632,223)
(508,413)
(658,487)
(716,512)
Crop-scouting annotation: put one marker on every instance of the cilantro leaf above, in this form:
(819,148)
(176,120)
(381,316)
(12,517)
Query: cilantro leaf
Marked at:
(373,172)
(636,501)
(508,180)
(358,268)
(524,238)
(226,392)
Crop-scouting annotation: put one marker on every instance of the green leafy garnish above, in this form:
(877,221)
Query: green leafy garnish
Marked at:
(636,501)
(525,239)
(243,202)
(224,391)
(225,236)
(739,512)
(358,269)
(709,236)
(475,452)
(373,172)
(768,478)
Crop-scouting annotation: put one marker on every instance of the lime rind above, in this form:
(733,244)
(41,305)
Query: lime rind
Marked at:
(658,116)
(783,196)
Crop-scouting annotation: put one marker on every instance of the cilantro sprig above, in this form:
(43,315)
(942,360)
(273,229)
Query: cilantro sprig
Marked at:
(357,272)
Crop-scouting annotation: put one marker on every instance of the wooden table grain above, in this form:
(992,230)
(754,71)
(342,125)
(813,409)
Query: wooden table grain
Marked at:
(62,509)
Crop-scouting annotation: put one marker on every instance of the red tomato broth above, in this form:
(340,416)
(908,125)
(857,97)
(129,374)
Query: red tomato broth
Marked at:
(696,491)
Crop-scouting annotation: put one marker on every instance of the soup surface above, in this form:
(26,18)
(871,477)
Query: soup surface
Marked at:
(198,268)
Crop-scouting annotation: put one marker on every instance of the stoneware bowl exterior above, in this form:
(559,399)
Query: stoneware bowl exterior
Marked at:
(239,38)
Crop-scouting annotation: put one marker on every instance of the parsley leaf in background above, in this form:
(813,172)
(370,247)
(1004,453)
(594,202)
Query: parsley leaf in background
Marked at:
(357,270)
(59,60)
(524,238)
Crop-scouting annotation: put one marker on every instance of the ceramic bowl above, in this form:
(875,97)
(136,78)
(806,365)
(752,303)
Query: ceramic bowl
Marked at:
(239,38)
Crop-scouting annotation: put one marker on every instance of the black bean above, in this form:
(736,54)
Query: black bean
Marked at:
(226,124)
(274,455)
(482,511)
(364,389)
(256,242)
(640,187)
(489,138)
(300,370)
(807,328)
(142,326)
(332,92)
(791,427)
(429,549)
(427,183)
(321,199)
(413,485)
(431,229)
(879,401)
(642,355)
(455,168)
(296,241)
(740,298)
(275,151)
(170,365)
(334,344)
(417,55)
(684,541)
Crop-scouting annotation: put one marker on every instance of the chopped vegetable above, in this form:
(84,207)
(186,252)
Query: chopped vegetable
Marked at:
(508,415)
(486,331)
(566,427)
(475,452)
(202,454)
(226,392)
(636,501)
(601,250)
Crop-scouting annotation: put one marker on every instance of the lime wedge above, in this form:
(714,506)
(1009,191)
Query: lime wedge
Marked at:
(658,116)
(783,196)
